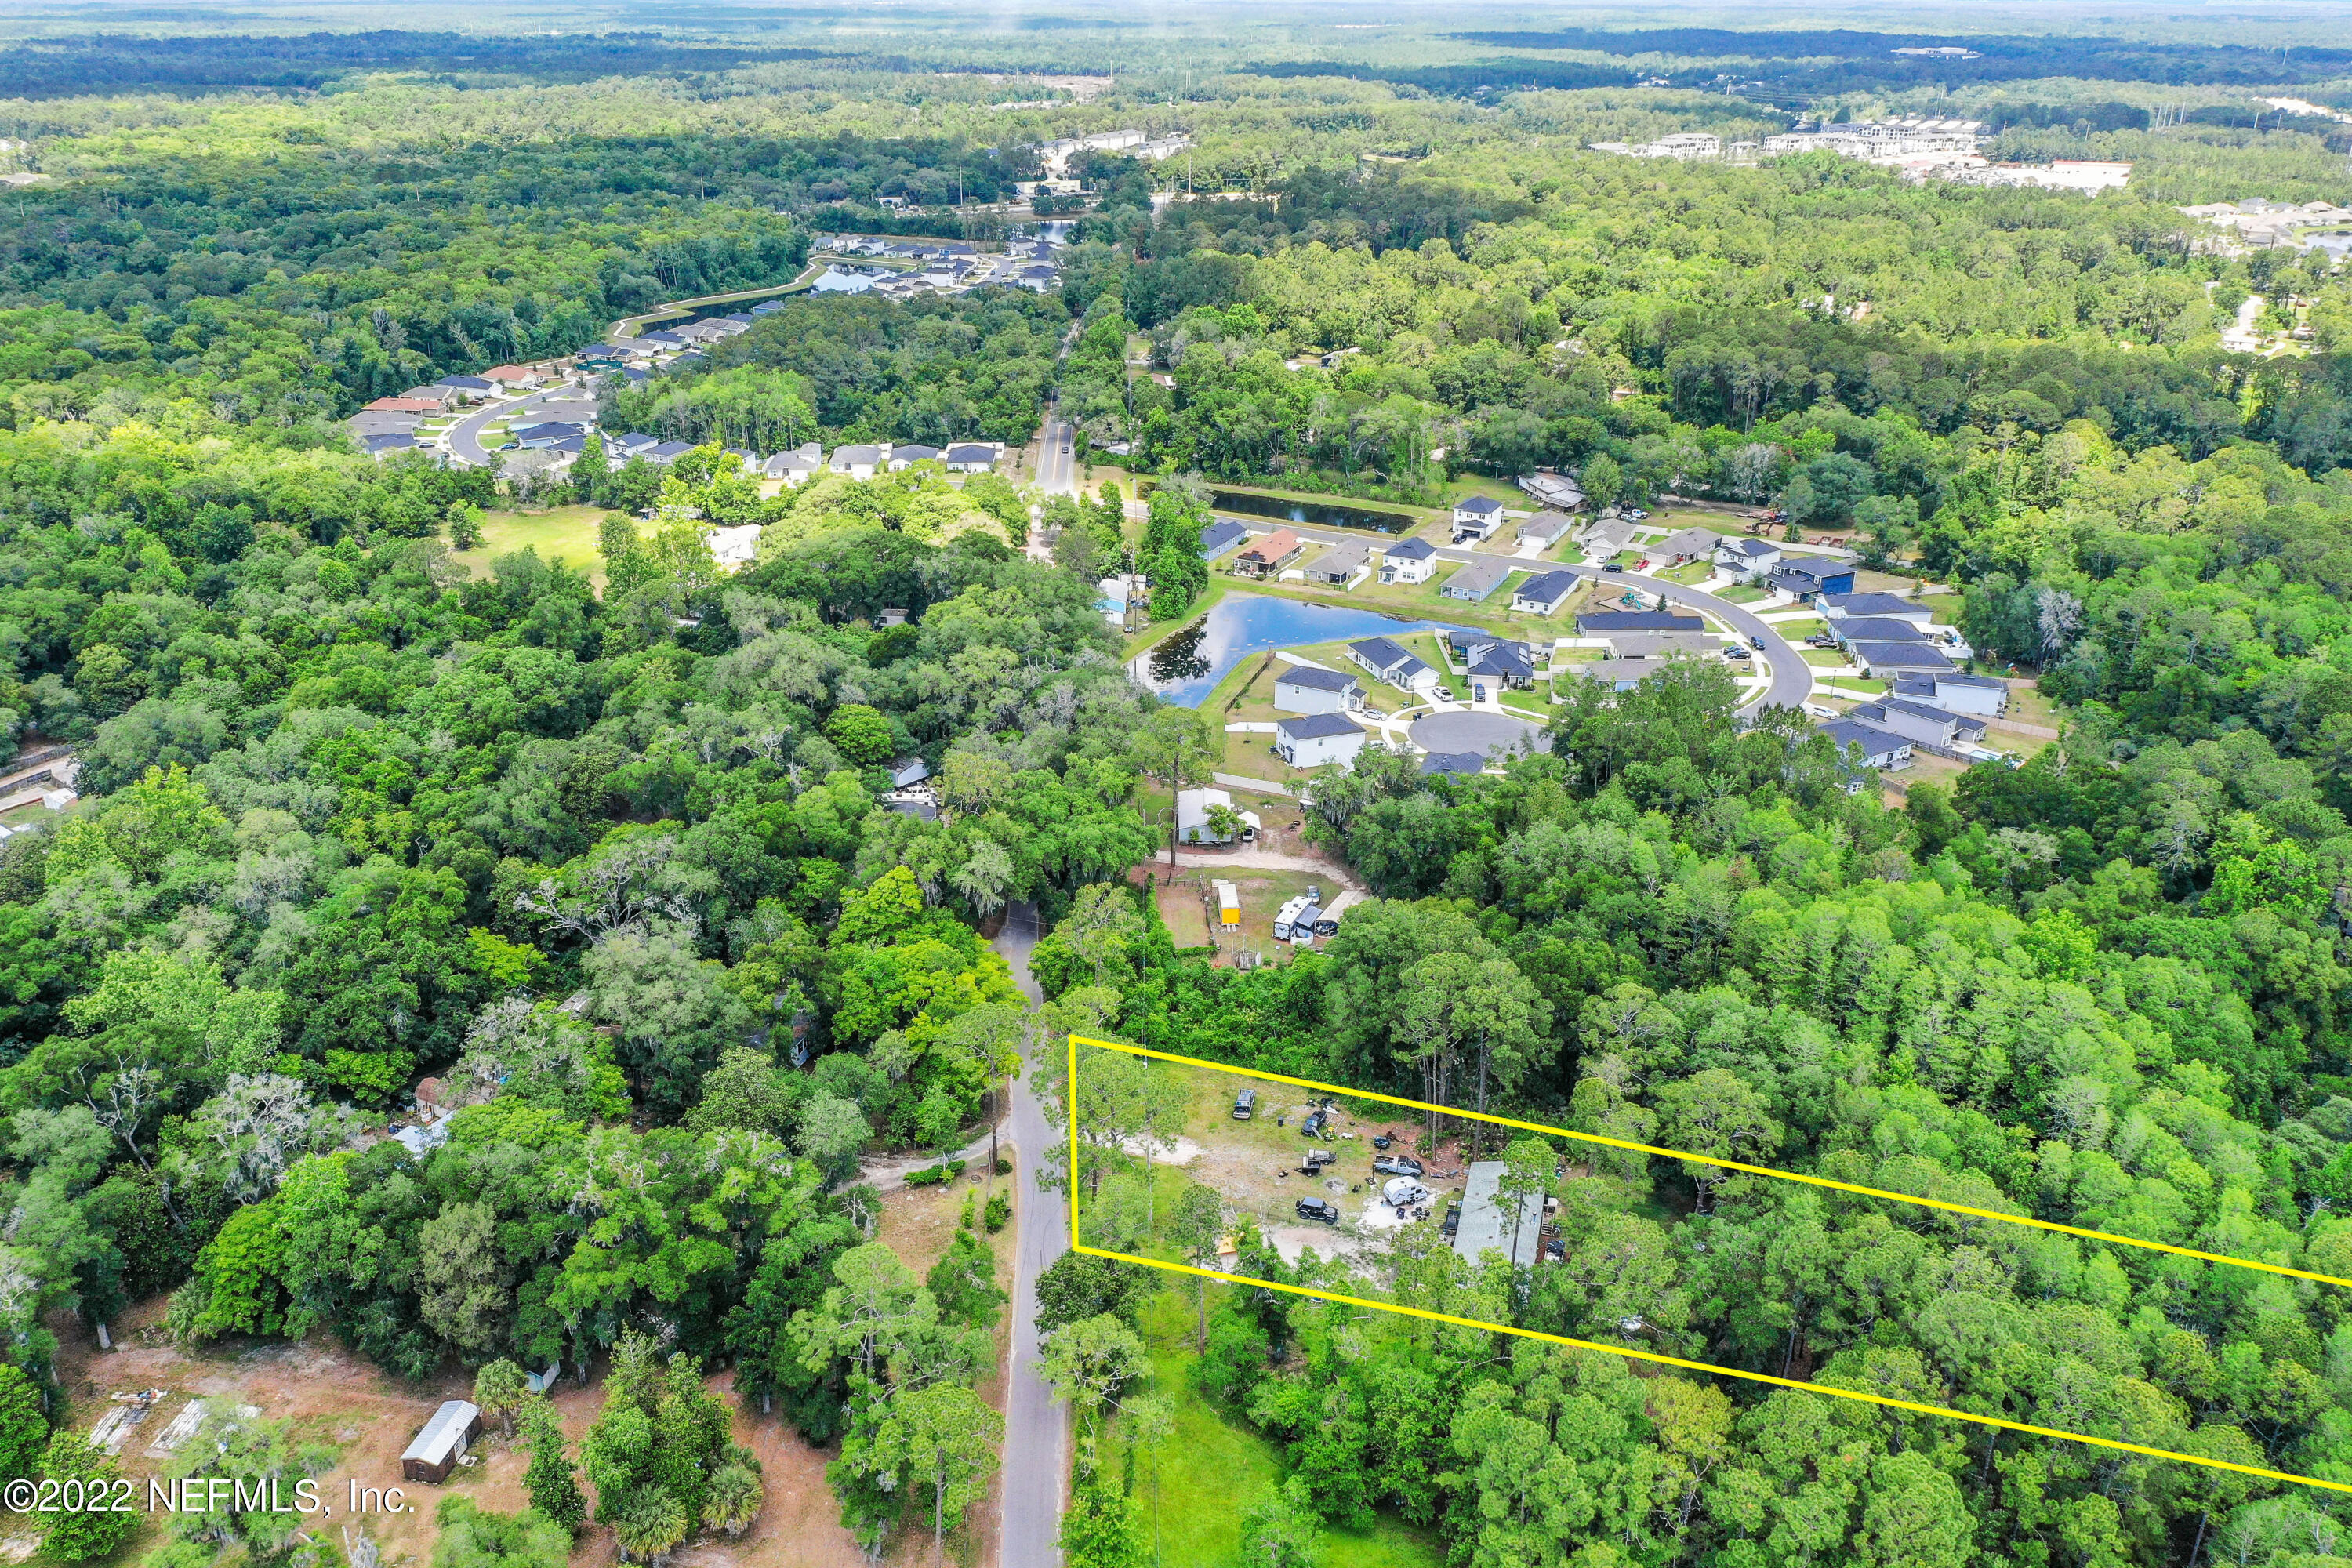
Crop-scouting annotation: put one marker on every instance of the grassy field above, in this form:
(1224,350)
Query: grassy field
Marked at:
(1210,1470)
(565,533)
(1743,595)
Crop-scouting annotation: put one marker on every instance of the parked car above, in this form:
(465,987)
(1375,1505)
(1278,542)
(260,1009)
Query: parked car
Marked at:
(1398,1166)
(1479,691)
(1733,650)
(1311,1124)
(1642,564)
(1637,513)
(1611,566)
(1453,1221)
(1381,1139)
(1756,643)
(1323,1209)
(1246,1105)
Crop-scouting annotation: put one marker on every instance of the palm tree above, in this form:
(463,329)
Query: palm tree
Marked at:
(651,1529)
(736,1497)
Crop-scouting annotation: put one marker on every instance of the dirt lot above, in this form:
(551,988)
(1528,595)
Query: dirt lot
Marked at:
(1254,1165)
(330,1395)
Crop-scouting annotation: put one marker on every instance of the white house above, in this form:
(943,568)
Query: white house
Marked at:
(1546,529)
(1192,822)
(1836,607)
(1478,517)
(1300,689)
(1981,695)
(1385,659)
(1880,748)
(1885,660)
(798,466)
(1690,545)
(1751,558)
(1316,738)
(1341,565)
(1919,721)
(1476,581)
(1543,595)
(859,462)
(1875,628)
(973,457)
(1410,562)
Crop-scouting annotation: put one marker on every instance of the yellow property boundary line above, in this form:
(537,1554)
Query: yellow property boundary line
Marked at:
(1653,1357)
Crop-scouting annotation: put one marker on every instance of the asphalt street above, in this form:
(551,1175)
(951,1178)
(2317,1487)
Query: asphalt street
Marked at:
(464,438)
(1037,1428)
(1058,464)
(1792,677)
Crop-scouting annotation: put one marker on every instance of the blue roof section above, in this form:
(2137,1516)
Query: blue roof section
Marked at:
(1874,742)
(1869,604)
(1313,726)
(1220,537)
(1902,656)
(1548,589)
(1411,550)
(1878,628)
(1384,653)
(1599,623)
(1315,679)
(1482,505)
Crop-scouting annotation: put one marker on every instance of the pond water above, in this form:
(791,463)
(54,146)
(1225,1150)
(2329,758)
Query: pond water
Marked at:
(1186,666)
(1321,514)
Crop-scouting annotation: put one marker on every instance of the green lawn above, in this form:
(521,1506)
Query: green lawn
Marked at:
(1853,686)
(1746,594)
(1213,1467)
(565,533)
(1690,574)
(1823,658)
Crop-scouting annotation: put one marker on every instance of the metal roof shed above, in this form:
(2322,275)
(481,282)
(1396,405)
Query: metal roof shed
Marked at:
(443,1442)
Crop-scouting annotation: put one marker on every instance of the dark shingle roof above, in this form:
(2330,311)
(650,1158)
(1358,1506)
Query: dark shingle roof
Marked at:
(1315,679)
(1314,725)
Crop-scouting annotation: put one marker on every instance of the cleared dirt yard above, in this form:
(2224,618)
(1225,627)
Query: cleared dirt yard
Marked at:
(330,1395)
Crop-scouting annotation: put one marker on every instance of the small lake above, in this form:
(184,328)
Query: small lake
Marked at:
(1185,666)
(1320,513)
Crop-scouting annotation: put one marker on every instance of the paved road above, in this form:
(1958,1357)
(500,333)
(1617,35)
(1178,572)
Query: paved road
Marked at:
(464,438)
(1057,463)
(1036,1428)
(1792,677)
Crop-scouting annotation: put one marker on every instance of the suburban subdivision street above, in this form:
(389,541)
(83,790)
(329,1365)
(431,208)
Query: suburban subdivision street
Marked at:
(1792,677)
(464,438)
(1037,1428)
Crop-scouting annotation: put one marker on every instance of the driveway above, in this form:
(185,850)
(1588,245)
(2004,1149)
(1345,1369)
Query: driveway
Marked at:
(1792,677)
(1036,1428)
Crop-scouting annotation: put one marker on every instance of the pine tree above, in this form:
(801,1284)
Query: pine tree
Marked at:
(549,1480)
